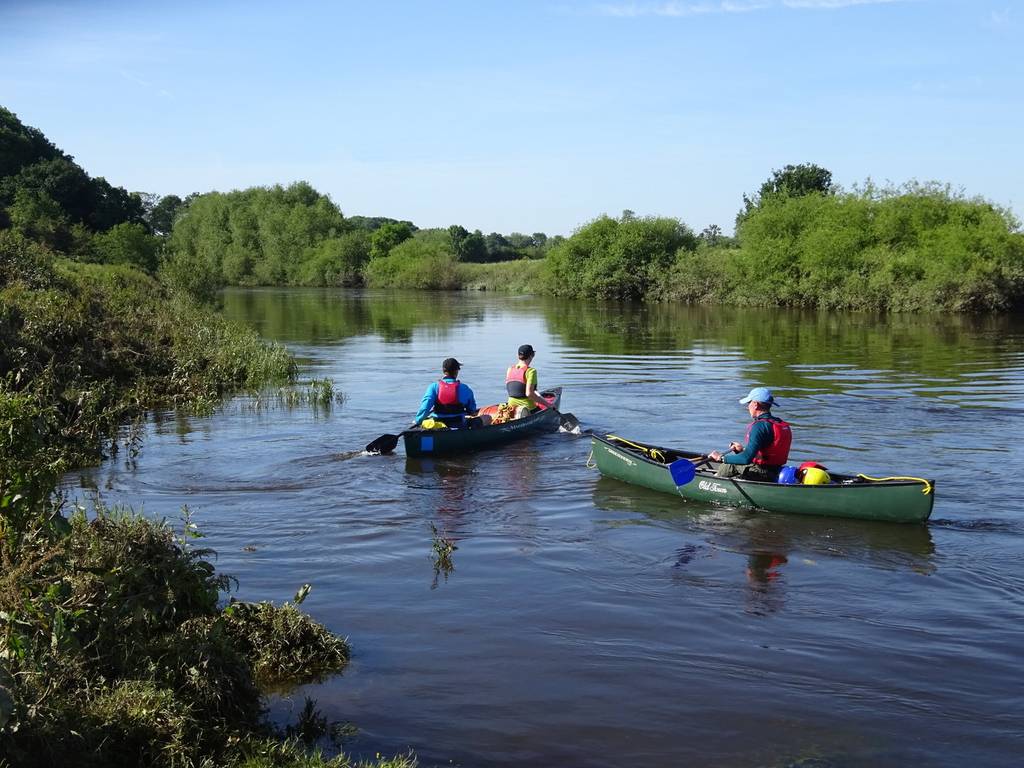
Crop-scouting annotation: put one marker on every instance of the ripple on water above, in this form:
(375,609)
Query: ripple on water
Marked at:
(587,622)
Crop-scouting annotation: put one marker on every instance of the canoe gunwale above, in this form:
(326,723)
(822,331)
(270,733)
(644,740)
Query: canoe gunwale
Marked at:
(482,438)
(895,501)
(741,481)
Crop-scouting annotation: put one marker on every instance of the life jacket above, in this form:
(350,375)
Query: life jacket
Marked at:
(515,380)
(776,454)
(448,403)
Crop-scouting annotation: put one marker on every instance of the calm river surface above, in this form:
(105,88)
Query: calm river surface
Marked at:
(590,623)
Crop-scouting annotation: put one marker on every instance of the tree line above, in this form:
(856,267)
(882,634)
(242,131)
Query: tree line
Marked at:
(800,240)
(803,241)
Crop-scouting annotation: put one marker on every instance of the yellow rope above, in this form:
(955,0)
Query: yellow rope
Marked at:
(927,486)
(654,453)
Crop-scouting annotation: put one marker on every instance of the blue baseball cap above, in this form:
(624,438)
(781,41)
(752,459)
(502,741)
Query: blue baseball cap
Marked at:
(759,395)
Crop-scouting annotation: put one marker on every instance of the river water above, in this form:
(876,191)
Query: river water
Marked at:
(591,623)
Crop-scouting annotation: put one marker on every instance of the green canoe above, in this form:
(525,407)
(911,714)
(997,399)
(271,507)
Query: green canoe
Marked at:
(435,442)
(896,500)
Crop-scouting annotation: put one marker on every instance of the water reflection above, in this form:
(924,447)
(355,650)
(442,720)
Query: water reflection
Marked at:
(449,478)
(575,593)
(768,541)
(327,315)
(813,352)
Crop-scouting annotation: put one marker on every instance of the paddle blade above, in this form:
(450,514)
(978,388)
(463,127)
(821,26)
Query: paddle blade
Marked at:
(383,444)
(568,422)
(682,471)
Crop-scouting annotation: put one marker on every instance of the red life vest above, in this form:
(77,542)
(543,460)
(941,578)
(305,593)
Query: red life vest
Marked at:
(448,398)
(515,380)
(776,454)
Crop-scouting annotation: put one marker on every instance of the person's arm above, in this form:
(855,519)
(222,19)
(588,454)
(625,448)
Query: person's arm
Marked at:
(427,404)
(470,401)
(531,389)
(760,437)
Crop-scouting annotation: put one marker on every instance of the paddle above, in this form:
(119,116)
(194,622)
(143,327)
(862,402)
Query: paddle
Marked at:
(566,421)
(684,470)
(384,443)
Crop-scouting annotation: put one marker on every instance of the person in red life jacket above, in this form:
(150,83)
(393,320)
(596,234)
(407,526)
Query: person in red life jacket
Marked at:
(768,441)
(449,400)
(521,384)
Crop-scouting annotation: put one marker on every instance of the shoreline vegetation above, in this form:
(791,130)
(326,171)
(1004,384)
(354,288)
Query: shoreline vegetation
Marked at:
(800,241)
(117,643)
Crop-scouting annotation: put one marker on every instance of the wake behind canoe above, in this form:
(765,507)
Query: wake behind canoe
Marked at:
(850,496)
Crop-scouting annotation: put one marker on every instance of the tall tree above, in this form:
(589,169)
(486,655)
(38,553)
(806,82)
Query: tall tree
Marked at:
(791,181)
(162,214)
(387,237)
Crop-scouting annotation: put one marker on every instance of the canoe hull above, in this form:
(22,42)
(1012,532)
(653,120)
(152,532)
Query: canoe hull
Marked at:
(440,442)
(891,501)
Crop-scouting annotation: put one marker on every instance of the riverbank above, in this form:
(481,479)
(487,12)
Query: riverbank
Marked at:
(117,646)
(915,248)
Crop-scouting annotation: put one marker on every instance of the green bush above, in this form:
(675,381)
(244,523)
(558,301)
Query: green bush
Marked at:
(336,261)
(128,244)
(257,236)
(617,258)
(916,248)
(424,261)
(116,652)
(85,348)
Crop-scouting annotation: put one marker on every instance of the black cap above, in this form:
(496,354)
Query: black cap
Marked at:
(450,364)
(526,351)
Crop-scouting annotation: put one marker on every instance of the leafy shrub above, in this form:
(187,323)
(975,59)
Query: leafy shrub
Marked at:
(336,261)
(617,258)
(257,236)
(117,652)
(915,248)
(424,261)
(129,244)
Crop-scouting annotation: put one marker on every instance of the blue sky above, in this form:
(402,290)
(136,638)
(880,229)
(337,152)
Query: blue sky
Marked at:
(524,116)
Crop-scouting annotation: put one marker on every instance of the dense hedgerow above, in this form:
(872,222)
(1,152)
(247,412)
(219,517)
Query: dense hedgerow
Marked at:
(916,248)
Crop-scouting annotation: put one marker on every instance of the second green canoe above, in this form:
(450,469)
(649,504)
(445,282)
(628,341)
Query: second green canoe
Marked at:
(897,500)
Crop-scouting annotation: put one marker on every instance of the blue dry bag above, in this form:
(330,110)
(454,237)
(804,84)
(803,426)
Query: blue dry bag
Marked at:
(787,475)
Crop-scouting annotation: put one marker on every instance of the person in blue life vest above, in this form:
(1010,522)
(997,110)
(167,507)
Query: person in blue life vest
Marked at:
(767,442)
(521,384)
(449,400)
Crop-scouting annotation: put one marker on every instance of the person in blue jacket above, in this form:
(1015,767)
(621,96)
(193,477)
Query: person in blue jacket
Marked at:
(449,400)
(767,443)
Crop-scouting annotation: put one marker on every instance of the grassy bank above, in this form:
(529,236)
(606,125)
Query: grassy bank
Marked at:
(86,348)
(427,262)
(116,646)
(522,276)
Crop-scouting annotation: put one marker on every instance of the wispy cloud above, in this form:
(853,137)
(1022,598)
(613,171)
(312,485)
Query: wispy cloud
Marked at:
(144,83)
(831,4)
(633,9)
(681,9)
(998,19)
